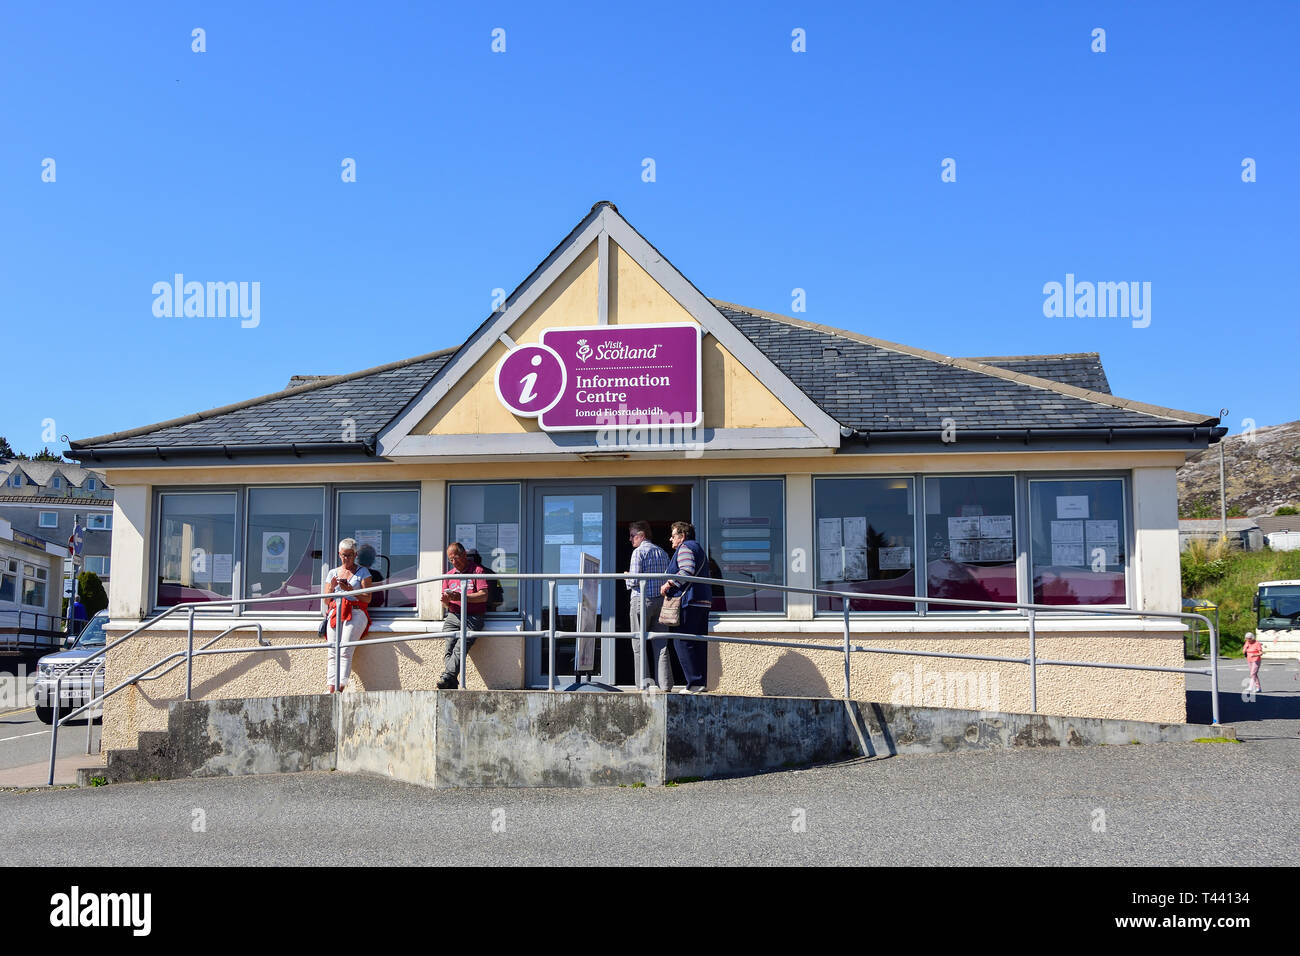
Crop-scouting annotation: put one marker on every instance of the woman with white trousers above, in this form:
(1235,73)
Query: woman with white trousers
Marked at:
(349,612)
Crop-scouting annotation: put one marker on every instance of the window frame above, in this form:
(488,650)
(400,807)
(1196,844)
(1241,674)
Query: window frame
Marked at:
(1129,536)
(273,609)
(92,484)
(918,551)
(524,541)
(332,503)
(105,521)
(237,558)
(104,566)
(706,511)
(56,482)
(40,519)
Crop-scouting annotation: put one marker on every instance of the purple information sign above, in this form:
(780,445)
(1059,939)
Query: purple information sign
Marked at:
(530,379)
(633,375)
(602,376)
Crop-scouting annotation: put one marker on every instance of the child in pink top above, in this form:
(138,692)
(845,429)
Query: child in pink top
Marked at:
(1254,651)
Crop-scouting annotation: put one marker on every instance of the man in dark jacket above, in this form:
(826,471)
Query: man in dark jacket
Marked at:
(689,559)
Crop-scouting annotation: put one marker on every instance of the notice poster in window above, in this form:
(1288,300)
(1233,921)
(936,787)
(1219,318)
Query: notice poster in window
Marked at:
(855,564)
(558,539)
(733,499)
(558,518)
(593,522)
(746,545)
(964,550)
(1103,532)
(1068,553)
(467,534)
(831,566)
(222,567)
(895,559)
(1071,506)
(995,526)
(275,552)
(372,537)
(996,549)
(569,558)
(487,538)
(1067,532)
(828,533)
(967,527)
(855,532)
(404,533)
(508,537)
(566,598)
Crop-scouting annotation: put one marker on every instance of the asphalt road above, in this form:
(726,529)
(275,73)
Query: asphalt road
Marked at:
(1215,804)
(1230,804)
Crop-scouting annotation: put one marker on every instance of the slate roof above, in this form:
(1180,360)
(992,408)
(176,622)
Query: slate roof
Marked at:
(878,386)
(309,413)
(1082,369)
(42,472)
(862,383)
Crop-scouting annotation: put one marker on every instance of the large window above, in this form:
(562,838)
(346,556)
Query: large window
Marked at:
(34,582)
(283,547)
(196,547)
(49,519)
(485,518)
(746,542)
(100,522)
(386,525)
(8,579)
(1078,541)
(970,536)
(97,564)
(866,531)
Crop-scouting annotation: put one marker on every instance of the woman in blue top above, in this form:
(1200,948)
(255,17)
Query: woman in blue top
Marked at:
(688,559)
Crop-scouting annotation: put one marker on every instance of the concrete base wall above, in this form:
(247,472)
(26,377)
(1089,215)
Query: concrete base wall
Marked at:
(497,663)
(539,739)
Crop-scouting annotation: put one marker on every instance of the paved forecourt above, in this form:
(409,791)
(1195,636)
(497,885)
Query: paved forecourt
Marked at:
(1158,804)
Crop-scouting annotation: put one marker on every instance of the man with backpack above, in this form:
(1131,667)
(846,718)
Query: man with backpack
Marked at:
(474,591)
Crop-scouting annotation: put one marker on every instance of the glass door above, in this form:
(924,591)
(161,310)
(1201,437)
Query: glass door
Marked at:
(571,526)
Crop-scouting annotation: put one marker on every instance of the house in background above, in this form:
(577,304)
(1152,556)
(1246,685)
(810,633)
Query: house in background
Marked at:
(1282,532)
(1244,534)
(40,498)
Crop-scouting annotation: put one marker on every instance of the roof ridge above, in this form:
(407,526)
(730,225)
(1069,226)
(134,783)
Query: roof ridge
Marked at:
(1073,391)
(1025,358)
(249,402)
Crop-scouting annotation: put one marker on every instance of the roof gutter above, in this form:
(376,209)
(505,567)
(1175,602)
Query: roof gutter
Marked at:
(166,452)
(1208,432)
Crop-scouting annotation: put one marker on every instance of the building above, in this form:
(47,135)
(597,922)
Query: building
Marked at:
(1243,533)
(30,600)
(1282,532)
(41,499)
(608,388)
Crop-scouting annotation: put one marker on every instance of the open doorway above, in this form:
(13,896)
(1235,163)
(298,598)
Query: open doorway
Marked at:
(661,505)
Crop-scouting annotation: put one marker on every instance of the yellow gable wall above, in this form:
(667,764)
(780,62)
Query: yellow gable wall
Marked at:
(733,396)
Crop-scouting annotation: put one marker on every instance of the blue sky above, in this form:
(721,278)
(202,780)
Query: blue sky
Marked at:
(775,170)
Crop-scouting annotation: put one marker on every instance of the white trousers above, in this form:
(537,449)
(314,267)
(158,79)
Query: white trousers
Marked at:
(352,629)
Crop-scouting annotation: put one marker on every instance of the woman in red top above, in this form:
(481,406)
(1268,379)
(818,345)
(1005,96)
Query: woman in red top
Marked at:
(1254,651)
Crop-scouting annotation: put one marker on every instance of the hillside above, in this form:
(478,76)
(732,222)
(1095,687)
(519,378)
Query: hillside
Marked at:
(1262,473)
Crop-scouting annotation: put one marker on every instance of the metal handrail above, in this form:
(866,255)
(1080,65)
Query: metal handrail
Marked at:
(552,634)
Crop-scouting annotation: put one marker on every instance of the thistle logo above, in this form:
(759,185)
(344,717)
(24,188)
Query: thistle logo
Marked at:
(584,350)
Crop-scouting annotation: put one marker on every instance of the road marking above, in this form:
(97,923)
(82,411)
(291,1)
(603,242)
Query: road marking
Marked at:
(21,736)
(12,713)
